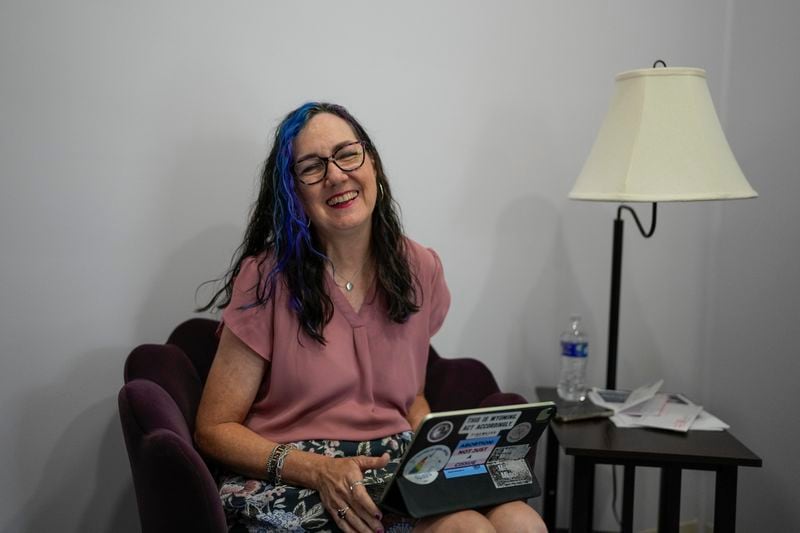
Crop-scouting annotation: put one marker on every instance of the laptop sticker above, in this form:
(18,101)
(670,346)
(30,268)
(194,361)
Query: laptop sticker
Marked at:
(509,453)
(472,452)
(510,473)
(488,425)
(519,432)
(440,431)
(423,468)
(451,473)
(544,415)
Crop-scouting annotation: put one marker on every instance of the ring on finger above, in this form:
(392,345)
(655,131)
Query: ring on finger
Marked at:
(355,484)
(343,511)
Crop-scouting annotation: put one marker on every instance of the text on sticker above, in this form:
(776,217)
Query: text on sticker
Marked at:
(489,424)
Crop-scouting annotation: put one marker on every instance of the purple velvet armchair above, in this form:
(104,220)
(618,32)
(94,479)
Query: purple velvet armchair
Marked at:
(175,487)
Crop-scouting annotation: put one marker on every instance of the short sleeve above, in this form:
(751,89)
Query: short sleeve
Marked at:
(250,321)
(440,295)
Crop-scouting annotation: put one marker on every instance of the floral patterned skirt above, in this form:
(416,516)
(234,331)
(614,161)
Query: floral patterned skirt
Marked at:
(253,505)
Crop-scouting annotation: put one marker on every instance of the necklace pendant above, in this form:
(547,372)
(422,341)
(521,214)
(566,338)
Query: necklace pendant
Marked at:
(348,286)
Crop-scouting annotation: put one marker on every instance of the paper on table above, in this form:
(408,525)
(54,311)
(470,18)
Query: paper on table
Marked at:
(676,414)
(705,421)
(645,407)
(619,401)
(673,416)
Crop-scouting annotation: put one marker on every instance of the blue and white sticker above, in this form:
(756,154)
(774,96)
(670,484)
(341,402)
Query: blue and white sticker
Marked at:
(473,470)
(471,452)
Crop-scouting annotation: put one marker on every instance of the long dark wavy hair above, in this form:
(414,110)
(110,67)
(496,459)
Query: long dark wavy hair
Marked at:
(279,226)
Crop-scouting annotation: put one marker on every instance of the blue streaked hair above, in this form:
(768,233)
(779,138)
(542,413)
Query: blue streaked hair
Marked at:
(280,236)
(289,220)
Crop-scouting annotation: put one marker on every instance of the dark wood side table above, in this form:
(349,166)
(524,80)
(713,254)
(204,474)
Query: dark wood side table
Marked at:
(598,441)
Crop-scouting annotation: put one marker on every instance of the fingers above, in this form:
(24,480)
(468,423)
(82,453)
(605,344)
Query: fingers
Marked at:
(354,517)
(356,483)
(368,463)
(343,515)
(352,510)
(361,503)
(361,500)
(348,519)
(365,508)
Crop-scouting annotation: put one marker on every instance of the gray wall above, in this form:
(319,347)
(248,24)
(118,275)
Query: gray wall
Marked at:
(132,134)
(751,361)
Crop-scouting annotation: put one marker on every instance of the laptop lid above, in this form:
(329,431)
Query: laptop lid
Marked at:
(469,459)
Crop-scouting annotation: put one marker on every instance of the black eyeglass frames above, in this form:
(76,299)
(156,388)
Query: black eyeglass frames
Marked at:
(313,169)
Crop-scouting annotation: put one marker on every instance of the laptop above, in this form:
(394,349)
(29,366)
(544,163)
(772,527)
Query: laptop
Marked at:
(468,459)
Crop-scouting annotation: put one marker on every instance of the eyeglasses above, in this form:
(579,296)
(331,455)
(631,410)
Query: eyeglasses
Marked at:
(314,168)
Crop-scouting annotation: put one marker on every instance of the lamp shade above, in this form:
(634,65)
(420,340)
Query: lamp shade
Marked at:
(661,141)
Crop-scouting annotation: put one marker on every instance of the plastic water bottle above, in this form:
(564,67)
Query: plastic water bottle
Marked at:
(574,352)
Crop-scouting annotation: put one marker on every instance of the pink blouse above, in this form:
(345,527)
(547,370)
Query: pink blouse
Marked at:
(361,384)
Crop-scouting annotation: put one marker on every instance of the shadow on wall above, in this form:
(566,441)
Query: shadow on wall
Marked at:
(175,293)
(516,310)
(518,301)
(197,191)
(87,474)
(86,480)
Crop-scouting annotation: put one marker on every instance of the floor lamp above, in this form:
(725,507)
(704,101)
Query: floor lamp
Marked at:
(661,141)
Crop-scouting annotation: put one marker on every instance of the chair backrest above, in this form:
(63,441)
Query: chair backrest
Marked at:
(198,339)
(452,384)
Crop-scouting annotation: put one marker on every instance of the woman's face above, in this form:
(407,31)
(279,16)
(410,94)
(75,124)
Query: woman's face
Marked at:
(342,203)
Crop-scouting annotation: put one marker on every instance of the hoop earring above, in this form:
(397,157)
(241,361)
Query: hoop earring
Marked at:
(380,190)
(308,221)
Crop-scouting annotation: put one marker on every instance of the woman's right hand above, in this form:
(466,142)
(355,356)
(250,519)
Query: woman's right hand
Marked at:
(336,483)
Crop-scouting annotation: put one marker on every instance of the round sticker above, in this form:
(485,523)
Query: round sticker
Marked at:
(518,432)
(423,478)
(424,466)
(440,431)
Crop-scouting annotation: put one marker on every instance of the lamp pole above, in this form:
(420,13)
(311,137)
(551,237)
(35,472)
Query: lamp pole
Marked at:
(616,276)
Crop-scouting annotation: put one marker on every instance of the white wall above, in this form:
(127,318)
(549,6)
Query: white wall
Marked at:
(132,134)
(753,294)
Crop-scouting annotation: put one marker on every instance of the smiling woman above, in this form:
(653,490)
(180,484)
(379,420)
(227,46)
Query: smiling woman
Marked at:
(327,317)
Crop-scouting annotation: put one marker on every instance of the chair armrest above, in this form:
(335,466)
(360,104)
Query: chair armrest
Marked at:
(175,490)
